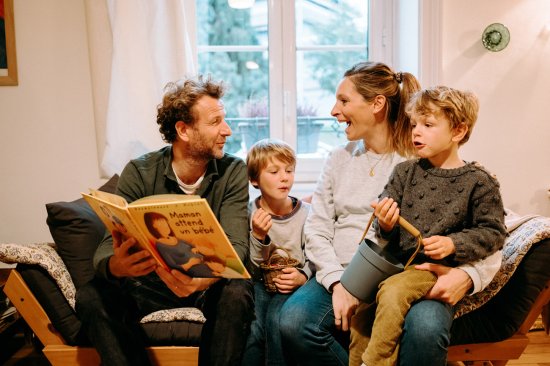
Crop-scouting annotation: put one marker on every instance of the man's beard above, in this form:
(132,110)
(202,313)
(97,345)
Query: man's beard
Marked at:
(202,152)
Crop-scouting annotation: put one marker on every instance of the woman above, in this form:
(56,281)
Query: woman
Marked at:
(370,99)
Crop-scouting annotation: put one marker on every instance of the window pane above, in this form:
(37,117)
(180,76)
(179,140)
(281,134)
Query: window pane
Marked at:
(335,22)
(232,46)
(318,74)
(331,36)
(246,100)
(220,25)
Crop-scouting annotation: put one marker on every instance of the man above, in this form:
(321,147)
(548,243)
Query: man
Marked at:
(192,119)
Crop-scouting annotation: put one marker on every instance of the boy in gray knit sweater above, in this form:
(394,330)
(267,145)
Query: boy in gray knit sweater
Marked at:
(456,206)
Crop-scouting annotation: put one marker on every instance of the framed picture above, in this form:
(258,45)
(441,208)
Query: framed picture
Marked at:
(8,60)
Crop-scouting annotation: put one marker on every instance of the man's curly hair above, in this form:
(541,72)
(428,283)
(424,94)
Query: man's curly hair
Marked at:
(179,99)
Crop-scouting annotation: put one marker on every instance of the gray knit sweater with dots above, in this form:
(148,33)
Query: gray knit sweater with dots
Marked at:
(463,204)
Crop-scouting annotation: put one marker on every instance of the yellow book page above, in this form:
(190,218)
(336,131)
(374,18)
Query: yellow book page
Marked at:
(164,198)
(109,197)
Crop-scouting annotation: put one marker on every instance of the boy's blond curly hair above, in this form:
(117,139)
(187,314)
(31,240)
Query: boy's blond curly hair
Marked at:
(456,105)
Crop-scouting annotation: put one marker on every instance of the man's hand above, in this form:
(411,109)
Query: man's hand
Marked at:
(452,283)
(438,247)
(181,284)
(290,280)
(126,262)
(261,223)
(387,212)
(344,305)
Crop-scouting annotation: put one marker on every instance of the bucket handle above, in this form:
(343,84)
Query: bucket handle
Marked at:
(407,226)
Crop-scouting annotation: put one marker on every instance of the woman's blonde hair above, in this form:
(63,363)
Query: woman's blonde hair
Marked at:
(375,78)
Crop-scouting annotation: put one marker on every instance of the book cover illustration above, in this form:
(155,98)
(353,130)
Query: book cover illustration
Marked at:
(181,231)
(115,215)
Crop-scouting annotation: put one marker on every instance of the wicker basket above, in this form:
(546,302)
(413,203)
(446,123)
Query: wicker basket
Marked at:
(274,265)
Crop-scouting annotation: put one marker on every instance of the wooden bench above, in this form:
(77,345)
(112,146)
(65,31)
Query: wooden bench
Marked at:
(59,353)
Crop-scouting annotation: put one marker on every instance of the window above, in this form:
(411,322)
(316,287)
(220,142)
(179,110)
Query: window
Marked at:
(283,61)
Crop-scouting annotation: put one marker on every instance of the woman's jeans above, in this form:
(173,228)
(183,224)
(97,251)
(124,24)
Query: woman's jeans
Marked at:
(310,337)
(110,317)
(307,328)
(264,342)
(426,334)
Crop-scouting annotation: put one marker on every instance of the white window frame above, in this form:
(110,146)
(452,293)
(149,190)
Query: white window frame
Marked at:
(282,80)
(384,19)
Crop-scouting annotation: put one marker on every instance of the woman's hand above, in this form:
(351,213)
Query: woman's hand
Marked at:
(387,212)
(181,284)
(452,283)
(344,305)
(290,280)
(261,223)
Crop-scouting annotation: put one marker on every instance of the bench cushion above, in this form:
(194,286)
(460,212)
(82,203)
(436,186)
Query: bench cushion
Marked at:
(48,294)
(158,331)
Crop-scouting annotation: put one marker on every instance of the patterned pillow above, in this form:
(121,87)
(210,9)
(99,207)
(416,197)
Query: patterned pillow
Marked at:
(504,313)
(189,314)
(45,256)
(516,246)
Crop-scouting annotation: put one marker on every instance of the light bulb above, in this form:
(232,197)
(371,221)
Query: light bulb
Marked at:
(251,65)
(240,4)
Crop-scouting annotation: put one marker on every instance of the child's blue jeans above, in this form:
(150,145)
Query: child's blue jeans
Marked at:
(264,346)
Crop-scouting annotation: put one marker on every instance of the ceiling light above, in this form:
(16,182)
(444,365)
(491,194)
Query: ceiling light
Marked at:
(240,4)
(251,65)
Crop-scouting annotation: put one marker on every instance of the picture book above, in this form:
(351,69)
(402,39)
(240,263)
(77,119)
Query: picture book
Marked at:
(180,231)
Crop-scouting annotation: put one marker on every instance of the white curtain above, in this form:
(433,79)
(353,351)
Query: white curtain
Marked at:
(151,45)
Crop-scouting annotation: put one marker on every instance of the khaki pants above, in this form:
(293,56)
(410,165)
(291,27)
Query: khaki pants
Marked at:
(380,345)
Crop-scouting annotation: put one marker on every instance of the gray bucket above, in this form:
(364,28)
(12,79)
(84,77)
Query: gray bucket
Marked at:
(369,266)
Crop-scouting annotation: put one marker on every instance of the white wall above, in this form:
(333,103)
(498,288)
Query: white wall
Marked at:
(512,136)
(47,138)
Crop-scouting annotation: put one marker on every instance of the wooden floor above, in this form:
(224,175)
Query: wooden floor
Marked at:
(536,354)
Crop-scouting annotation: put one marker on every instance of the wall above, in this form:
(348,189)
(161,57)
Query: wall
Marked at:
(512,137)
(47,136)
